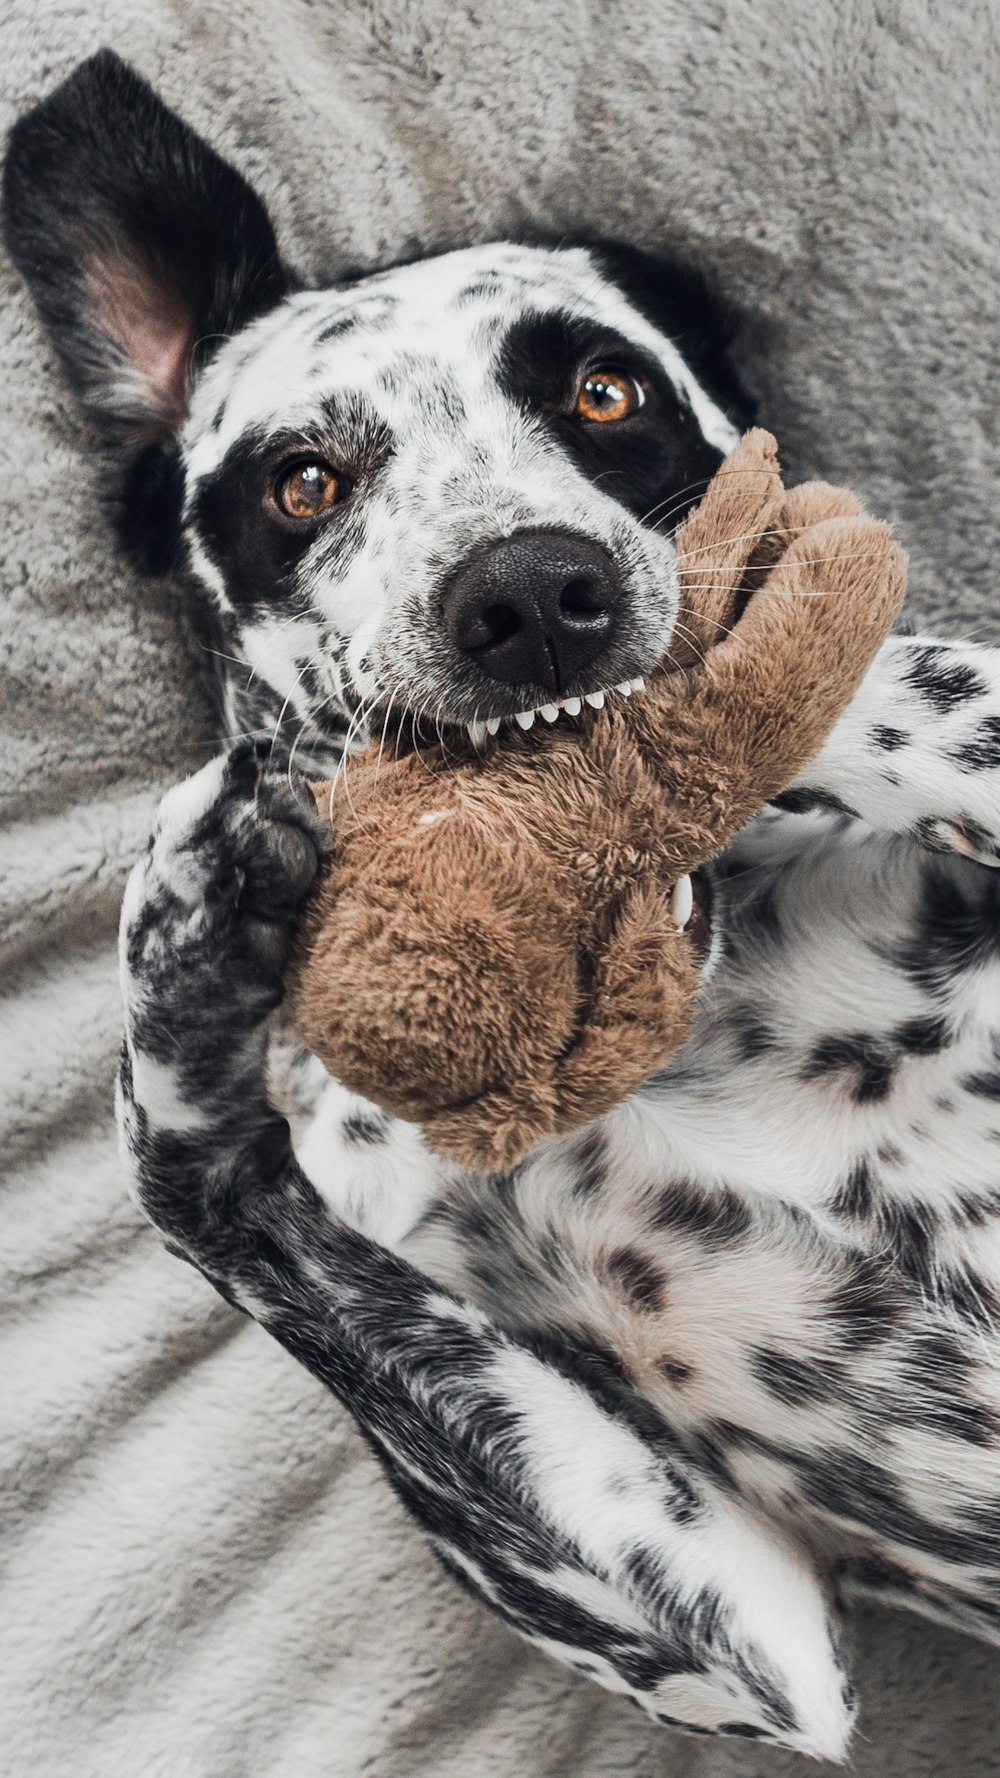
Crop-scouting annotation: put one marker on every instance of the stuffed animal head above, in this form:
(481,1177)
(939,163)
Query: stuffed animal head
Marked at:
(509,937)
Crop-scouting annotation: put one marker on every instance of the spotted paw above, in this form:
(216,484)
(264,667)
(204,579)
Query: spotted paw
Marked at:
(208,922)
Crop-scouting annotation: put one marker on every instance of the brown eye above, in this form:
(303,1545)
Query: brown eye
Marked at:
(307,490)
(608,395)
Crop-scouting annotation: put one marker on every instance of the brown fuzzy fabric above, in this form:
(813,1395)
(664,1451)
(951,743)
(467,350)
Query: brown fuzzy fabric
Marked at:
(490,952)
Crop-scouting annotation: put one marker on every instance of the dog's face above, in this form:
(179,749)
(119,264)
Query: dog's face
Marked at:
(442,486)
(446,489)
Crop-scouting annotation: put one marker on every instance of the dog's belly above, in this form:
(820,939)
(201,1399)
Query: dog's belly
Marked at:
(788,1245)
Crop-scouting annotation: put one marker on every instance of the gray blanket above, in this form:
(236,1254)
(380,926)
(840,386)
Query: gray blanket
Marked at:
(205,1575)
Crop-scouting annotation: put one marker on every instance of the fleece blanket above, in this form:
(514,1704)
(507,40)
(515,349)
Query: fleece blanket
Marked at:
(204,1574)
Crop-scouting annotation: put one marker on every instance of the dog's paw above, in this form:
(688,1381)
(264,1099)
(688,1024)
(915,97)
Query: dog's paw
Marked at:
(210,912)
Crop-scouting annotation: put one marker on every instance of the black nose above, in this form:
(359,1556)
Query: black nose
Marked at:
(537,608)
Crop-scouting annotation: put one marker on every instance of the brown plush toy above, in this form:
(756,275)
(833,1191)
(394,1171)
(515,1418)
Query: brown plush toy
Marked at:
(503,944)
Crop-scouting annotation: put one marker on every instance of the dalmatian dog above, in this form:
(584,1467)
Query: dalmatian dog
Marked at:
(674,1391)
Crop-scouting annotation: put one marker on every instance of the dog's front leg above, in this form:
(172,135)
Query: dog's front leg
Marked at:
(561,1502)
(917,751)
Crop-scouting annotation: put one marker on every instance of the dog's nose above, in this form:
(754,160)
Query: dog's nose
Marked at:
(536,608)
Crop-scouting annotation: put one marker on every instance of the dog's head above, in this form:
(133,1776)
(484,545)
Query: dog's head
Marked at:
(447,488)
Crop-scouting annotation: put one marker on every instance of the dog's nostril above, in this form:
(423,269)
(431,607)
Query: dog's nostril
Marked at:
(493,625)
(582,597)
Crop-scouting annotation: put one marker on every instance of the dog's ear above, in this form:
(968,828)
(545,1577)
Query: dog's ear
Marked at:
(142,249)
(678,301)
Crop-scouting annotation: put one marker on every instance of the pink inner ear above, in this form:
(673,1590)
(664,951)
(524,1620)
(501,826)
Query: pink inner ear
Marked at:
(153,328)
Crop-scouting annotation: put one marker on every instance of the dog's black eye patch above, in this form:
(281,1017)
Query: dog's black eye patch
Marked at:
(235,519)
(541,357)
(256,556)
(657,463)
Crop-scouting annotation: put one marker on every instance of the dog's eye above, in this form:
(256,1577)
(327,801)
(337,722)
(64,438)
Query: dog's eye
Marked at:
(608,395)
(308,490)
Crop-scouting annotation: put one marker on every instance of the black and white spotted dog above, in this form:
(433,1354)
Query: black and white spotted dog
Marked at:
(670,1391)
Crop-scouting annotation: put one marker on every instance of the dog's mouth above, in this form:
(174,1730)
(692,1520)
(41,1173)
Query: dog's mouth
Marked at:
(413,730)
(550,712)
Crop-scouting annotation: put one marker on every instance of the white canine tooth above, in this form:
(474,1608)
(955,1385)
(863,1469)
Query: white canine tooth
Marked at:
(477,733)
(549,712)
(638,685)
(525,718)
(595,699)
(572,706)
(625,688)
(492,724)
(681,902)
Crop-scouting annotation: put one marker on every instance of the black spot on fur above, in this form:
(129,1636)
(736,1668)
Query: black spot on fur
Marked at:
(942,681)
(863,1492)
(717,1218)
(909,1230)
(985,1085)
(865,1304)
(890,1154)
(589,1163)
(857,1194)
(753,1036)
(365,1127)
(971,1297)
(925,1036)
(866,1058)
(800,802)
(962,834)
(889,738)
(798,1382)
(763,920)
(976,1209)
(980,752)
(675,1370)
(335,329)
(638,1277)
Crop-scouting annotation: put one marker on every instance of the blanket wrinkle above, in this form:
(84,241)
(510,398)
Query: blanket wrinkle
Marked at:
(204,1574)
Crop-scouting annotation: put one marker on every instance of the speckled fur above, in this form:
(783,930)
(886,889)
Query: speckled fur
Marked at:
(666,1392)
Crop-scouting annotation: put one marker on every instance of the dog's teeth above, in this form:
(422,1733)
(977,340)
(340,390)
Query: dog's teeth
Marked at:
(595,699)
(625,688)
(549,712)
(492,724)
(572,706)
(525,718)
(477,733)
(681,902)
(638,685)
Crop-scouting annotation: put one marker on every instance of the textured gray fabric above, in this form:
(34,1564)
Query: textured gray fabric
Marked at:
(206,1576)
